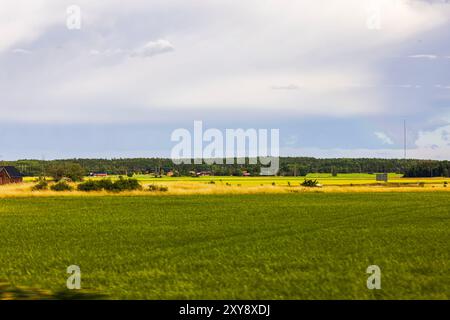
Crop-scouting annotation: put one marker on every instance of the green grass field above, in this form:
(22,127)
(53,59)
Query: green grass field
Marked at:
(283,246)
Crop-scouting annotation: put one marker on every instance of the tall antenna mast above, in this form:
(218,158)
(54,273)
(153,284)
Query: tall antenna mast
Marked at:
(404,135)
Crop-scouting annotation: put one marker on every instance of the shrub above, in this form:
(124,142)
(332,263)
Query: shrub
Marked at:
(154,187)
(212,182)
(89,185)
(61,186)
(309,183)
(41,185)
(273,183)
(105,184)
(123,184)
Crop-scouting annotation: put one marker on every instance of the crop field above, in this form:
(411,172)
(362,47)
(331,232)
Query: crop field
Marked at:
(253,246)
(323,178)
(224,185)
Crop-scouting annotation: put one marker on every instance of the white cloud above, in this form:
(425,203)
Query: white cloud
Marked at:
(153,48)
(405,86)
(438,138)
(286,87)
(252,55)
(424,56)
(150,49)
(431,144)
(108,52)
(21,51)
(384,138)
(23,21)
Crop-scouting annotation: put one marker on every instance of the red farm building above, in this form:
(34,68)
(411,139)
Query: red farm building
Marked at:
(9,174)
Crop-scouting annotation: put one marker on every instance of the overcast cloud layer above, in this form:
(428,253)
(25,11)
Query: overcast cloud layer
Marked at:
(335,81)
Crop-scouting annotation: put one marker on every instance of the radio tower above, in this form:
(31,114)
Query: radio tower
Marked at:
(404,137)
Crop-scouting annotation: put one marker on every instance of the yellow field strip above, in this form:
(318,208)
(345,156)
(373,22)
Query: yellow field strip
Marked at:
(202,188)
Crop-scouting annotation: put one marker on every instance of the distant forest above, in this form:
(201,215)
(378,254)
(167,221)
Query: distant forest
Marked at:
(289,166)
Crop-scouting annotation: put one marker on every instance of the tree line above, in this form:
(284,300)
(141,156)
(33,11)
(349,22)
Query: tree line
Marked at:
(289,166)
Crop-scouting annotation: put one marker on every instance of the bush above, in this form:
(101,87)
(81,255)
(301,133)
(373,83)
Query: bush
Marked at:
(309,183)
(89,186)
(154,187)
(41,185)
(105,184)
(123,184)
(61,186)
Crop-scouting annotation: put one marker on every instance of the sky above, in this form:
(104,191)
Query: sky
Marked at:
(337,78)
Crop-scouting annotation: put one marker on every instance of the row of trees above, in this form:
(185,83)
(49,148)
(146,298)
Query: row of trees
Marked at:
(289,166)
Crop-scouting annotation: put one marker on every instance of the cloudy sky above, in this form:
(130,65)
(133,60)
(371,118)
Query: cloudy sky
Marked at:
(338,78)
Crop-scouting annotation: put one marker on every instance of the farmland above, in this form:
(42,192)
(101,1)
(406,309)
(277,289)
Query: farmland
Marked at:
(304,245)
(210,185)
(324,179)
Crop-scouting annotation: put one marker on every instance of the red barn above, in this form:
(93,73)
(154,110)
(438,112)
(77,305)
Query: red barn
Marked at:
(9,174)
(98,174)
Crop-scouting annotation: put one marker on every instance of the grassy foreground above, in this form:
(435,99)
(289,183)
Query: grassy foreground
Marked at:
(271,246)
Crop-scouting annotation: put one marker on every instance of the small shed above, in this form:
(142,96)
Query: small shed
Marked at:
(9,174)
(382,177)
